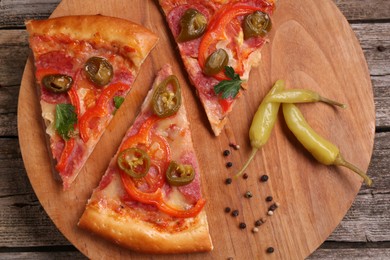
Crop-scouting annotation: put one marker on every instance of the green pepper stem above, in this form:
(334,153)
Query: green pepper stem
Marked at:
(253,153)
(340,161)
(332,102)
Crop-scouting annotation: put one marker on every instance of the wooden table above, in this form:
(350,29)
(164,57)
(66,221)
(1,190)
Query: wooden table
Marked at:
(28,233)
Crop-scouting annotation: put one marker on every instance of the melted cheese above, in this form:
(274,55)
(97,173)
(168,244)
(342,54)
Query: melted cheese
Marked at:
(48,114)
(82,92)
(223,45)
(176,199)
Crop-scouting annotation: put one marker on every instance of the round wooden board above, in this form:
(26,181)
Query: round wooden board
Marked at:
(312,46)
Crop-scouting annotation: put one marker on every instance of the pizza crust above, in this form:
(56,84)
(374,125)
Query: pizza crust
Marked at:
(142,236)
(114,31)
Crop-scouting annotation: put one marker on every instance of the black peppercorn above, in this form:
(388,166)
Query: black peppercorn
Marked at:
(226,153)
(269,198)
(234,146)
(227,209)
(235,213)
(264,178)
(229,164)
(272,207)
(228,181)
(245,176)
(270,250)
(248,194)
(242,225)
(258,223)
(381,48)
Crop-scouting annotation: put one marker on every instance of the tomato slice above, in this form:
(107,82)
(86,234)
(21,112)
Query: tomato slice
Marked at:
(160,157)
(63,161)
(179,213)
(218,31)
(144,197)
(99,110)
(150,143)
(156,199)
(74,99)
(225,103)
(142,136)
(91,92)
(158,150)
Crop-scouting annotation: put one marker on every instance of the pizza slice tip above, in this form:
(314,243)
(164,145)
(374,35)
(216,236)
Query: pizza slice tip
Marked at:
(219,42)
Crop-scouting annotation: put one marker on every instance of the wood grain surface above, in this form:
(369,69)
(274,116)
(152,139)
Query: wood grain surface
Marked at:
(317,51)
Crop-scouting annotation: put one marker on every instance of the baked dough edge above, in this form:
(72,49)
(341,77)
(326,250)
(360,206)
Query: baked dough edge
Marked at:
(141,236)
(99,28)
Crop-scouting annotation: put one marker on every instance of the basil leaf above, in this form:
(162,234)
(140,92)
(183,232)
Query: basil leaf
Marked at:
(118,100)
(65,119)
(229,88)
(229,71)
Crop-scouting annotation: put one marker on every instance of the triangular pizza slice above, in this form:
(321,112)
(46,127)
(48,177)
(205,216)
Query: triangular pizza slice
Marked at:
(149,199)
(84,68)
(219,42)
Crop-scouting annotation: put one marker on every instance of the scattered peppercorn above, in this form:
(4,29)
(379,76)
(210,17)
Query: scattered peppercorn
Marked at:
(270,213)
(235,213)
(269,198)
(245,176)
(234,146)
(255,230)
(258,223)
(230,258)
(227,209)
(381,48)
(226,153)
(228,181)
(264,178)
(272,207)
(248,194)
(242,225)
(229,164)
(270,250)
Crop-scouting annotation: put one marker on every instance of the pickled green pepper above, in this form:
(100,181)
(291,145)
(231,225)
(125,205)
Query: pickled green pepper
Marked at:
(263,123)
(322,150)
(301,96)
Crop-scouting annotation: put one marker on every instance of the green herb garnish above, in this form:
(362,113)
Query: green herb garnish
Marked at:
(229,88)
(118,100)
(65,119)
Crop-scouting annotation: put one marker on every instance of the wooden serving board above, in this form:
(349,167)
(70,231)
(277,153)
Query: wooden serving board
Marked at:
(312,46)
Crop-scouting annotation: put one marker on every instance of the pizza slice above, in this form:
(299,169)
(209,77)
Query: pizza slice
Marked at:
(149,199)
(219,42)
(84,68)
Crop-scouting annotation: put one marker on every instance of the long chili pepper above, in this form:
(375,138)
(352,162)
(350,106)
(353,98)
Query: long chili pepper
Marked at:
(262,123)
(301,96)
(324,151)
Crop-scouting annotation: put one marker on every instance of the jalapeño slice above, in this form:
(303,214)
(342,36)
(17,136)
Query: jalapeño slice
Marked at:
(256,24)
(167,97)
(180,174)
(99,71)
(57,83)
(193,25)
(135,162)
